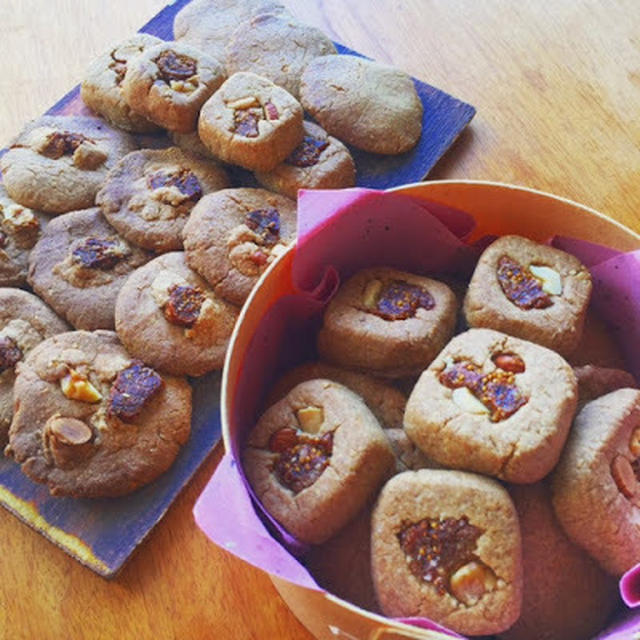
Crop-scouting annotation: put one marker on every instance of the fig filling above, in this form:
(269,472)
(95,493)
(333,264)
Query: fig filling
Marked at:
(496,390)
(183,306)
(95,253)
(266,224)
(10,353)
(184,180)
(175,66)
(245,121)
(62,144)
(307,153)
(132,389)
(520,286)
(397,300)
(436,549)
(301,457)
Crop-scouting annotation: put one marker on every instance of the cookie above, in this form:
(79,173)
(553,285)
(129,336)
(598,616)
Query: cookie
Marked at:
(276,46)
(191,143)
(387,322)
(101,89)
(168,316)
(315,458)
(58,163)
(566,596)
(594,382)
(19,231)
(493,404)
(233,235)
(168,83)
(208,24)
(90,421)
(445,545)
(363,103)
(597,345)
(24,322)
(596,493)
(149,194)
(320,161)
(79,265)
(385,401)
(409,457)
(251,122)
(531,291)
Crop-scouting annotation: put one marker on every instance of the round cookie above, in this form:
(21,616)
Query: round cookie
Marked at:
(168,316)
(191,143)
(277,47)
(149,194)
(24,322)
(363,103)
(91,421)
(566,596)
(320,161)
(251,122)
(207,24)
(493,404)
(19,231)
(596,493)
(315,458)
(234,234)
(387,322)
(101,89)
(58,163)
(594,382)
(531,291)
(169,82)
(445,545)
(79,265)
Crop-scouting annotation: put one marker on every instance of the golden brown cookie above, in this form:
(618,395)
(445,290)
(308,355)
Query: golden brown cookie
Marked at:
(101,89)
(233,235)
(315,458)
(594,382)
(149,195)
(169,82)
(91,421)
(25,321)
(251,122)
(58,163)
(168,316)
(531,291)
(79,265)
(363,103)
(445,545)
(320,161)
(493,404)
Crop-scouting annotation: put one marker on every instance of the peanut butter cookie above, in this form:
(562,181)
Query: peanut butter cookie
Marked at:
(594,382)
(320,161)
(445,545)
(493,404)
(91,421)
(79,265)
(19,231)
(169,317)
(25,321)
(101,89)
(251,122)
(169,82)
(149,194)
(315,458)
(232,236)
(277,47)
(58,163)
(531,291)
(363,103)
(387,322)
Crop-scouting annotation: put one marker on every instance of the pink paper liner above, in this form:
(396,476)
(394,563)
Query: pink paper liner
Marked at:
(339,233)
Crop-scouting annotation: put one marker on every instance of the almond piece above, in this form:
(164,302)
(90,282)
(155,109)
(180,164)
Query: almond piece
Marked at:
(75,386)
(310,419)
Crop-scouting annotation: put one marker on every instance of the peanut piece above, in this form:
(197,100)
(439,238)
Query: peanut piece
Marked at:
(70,431)
(469,583)
(68,439)
(75,386)
(372,293)
(310,419)
(624,477)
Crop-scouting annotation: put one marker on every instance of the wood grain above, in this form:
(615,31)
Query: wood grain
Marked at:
(557,89)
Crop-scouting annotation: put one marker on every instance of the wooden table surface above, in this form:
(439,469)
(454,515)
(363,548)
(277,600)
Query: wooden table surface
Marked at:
(557,90)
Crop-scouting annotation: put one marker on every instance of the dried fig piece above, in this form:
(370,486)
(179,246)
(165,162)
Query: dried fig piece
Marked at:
(60,144)
(10,353)
(184,180)
(307,153)
(132,389)
(175,66)
(520,286)
(265,223)
(399,300)
(246,121)
(98,253)
(183,306)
